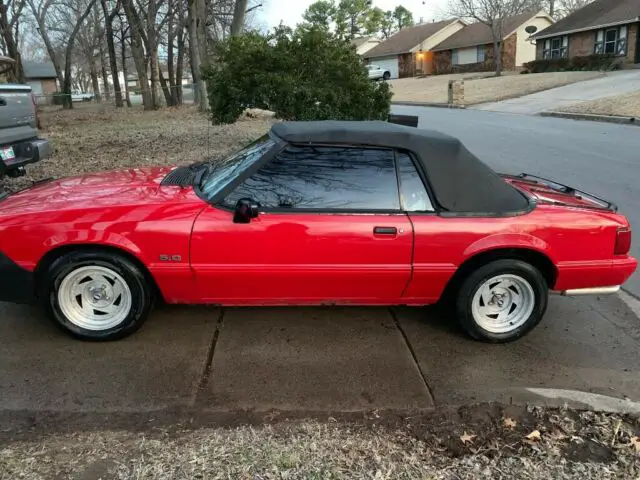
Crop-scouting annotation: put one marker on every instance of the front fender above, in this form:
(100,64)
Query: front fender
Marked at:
(508,240)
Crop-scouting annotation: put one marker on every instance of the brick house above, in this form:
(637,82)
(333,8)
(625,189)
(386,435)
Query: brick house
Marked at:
(41,76)
(408,52)
(472,50)
(604,26)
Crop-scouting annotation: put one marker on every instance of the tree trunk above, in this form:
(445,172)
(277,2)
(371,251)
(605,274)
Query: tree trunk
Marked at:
(137,51)
(170,46)
(111,48)
(125,74)
(152,51)
(105,76)
(66,84)
(552,8)
(11,45)
(497,58)
(180,67)
(95,85)
(194,24)
(239,11)
(166,90)
(40,16)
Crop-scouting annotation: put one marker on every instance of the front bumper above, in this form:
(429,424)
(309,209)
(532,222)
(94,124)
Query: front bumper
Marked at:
(31,151)
(17,285)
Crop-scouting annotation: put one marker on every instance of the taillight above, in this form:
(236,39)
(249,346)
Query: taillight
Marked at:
(623,241)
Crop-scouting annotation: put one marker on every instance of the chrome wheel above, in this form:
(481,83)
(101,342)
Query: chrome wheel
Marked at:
(503,303)
(94,298)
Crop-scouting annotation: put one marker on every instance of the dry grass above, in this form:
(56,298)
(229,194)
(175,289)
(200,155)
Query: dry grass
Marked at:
(627,105)
(569,446)
(482,88)
(96,138)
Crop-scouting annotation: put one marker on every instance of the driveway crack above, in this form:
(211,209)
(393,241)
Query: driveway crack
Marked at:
(413,355)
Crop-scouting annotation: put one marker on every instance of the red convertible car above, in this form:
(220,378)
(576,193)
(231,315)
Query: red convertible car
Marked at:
(313,213)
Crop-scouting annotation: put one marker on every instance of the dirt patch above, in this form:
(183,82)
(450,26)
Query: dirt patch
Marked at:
(96,138)
(484,89)
(485,441)
(620,105)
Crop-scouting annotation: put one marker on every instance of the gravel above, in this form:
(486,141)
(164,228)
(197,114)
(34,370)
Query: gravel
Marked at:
(95,138)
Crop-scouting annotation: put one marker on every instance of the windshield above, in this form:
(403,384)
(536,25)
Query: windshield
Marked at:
(229,168)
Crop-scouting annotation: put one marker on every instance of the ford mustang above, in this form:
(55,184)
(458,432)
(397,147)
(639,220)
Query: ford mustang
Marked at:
(312,213)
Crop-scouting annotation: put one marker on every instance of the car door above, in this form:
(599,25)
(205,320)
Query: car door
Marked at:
(330,230)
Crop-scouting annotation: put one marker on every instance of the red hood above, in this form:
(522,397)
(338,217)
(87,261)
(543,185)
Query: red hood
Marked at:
(114,188)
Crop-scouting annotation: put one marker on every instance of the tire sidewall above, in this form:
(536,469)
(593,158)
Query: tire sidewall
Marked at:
(141,299)
(476,279)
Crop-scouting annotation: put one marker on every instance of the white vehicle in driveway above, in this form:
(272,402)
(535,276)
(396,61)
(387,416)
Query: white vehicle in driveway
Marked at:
(376,72)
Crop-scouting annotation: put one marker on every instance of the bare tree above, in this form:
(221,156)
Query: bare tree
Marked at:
(493,14)
(10,12)
(109,16)
(567,7)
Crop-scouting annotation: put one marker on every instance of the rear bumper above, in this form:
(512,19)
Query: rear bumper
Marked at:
(601,277)
(17,285)
(30,151)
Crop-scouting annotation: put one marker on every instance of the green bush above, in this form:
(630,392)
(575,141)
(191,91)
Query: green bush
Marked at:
(589,62)
(303,74)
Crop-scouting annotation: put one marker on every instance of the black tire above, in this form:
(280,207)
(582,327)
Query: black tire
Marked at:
(386,76)
(141,291)
(471,284)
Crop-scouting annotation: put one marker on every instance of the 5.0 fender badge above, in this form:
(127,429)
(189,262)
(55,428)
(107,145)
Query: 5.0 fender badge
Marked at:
(170,258)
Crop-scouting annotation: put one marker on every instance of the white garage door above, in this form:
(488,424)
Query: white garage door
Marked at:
(387,63)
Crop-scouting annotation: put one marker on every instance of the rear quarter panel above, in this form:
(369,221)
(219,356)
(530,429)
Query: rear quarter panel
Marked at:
(579,242)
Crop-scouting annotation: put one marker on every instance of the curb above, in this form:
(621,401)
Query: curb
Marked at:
(593,118)
(428,104)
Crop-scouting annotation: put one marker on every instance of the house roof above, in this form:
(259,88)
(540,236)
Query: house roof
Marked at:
(601,13)
(38,69)
(356,42)
(480,34)
(407,38)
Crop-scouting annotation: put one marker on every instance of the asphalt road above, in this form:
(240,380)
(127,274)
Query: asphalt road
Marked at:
(599,158)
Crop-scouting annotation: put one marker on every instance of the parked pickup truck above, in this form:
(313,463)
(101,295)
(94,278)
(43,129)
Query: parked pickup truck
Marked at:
(19,141)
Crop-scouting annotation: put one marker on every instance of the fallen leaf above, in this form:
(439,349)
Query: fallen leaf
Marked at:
(557,435)
(533,436)
(467,438)
(509,423)
(635,444)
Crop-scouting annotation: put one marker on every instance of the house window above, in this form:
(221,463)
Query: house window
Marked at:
(612,41)
(482,54)
(557,47)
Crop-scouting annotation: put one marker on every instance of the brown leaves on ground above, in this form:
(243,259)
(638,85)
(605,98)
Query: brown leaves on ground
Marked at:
(635,444)
(509,423)
(467,438)
(95,138)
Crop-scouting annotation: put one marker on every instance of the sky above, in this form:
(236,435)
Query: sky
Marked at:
(290,11)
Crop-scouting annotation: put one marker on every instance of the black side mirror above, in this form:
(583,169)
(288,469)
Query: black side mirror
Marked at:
(246,209)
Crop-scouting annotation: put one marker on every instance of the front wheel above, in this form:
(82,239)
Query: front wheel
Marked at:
(502,301)
(97,296)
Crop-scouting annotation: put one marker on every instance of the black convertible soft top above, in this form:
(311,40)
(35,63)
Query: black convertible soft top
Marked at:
(460,182)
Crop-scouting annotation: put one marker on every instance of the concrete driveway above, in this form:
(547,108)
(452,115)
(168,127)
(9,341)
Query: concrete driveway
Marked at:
(615,83)
(312,360)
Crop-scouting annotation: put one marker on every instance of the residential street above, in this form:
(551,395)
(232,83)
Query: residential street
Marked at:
(615,83)
(600,158)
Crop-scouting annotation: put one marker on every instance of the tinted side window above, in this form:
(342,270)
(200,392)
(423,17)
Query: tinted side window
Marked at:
(413,193)
(324,178)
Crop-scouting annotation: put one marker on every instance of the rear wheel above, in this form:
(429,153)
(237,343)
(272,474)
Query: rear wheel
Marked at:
(502,301)
(97,296)
(386,76)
